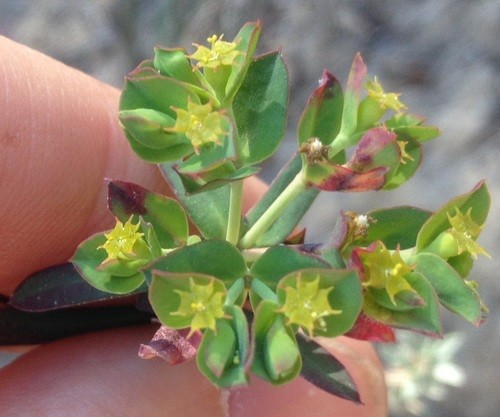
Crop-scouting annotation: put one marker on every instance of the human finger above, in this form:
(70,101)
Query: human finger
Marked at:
(100,374)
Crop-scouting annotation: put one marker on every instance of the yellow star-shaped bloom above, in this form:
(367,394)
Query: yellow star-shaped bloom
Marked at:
(307,304)
(219,53)
(202,304)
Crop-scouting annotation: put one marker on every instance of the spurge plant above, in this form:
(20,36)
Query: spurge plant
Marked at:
(243,292)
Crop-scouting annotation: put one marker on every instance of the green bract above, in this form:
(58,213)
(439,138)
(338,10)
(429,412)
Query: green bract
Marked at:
(245,289)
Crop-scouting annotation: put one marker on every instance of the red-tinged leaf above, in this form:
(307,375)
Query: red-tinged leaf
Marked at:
(352,98)
(366,328)
(323,113)
(371,145)
(345,179)
(165,214)
(357,75)
(171,345)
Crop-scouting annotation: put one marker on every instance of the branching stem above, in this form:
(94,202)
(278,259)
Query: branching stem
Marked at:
(293,189)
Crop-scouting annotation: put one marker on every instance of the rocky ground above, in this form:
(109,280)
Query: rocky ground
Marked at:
(442,54)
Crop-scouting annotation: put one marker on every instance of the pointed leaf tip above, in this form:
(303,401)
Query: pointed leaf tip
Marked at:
(126,198)
(171,345)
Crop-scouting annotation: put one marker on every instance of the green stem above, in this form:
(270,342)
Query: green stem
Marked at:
(234,218)
(263,291)
(234,291)
(293,189)
(338,144)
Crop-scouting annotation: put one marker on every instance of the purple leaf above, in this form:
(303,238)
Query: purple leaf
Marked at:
(56,287)
(126,198)
(324,371)
(171,345)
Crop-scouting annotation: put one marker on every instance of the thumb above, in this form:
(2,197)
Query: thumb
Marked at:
(60,137)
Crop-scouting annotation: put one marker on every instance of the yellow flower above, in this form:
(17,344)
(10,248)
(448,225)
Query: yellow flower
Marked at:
(201,303)
(385,269)
(120,241)
(385,100)
(200,124)
(465,232)
(307,305)
(220,53)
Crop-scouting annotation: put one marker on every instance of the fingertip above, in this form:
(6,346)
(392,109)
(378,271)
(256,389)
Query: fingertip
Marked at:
(100,374)
(301,398)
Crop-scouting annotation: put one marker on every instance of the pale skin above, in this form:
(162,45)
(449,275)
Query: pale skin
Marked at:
(59,137)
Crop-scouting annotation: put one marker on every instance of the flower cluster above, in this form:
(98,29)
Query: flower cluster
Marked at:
(245,295)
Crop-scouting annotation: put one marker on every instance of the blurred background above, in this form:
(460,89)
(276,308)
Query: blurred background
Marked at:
(443,55)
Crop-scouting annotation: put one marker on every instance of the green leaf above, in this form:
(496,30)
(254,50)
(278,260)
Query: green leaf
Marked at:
(222,355)
(409,127)
(424,319)
(202,183)
(208,210)
(87,259)
(325,371)
(478,200)
(247,39)
(146,89)
(146,126)
(170,153)
(155,92)
(217,258)
(147,134)
(346,296)
(55,288)
(292,214)
(260,108)
(418,133)
(451,289)
(322,115)
(406,170)
(404,300)
(276,356)
(165,214)
(175,64)
(395,226)
(279,261)
(333,257)
(462,263)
